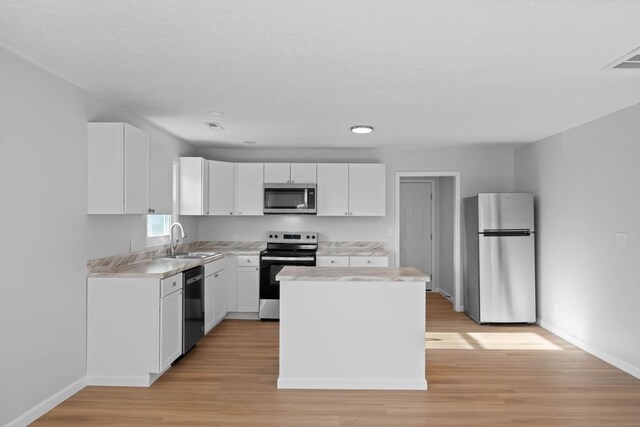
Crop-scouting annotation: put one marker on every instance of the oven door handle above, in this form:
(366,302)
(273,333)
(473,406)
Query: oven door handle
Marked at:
(287,258)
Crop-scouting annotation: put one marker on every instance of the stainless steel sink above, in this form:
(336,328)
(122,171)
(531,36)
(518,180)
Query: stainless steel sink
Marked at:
(191,255)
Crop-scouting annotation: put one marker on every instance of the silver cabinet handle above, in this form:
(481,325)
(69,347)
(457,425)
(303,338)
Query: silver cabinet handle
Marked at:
(333,261)
(368,261)
(346,213)
(215,275)
(230,213)
(249,260)
(173,284)
(257,268)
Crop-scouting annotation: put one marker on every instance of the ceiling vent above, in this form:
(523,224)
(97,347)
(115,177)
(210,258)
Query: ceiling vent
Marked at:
(630,60)
(214,126)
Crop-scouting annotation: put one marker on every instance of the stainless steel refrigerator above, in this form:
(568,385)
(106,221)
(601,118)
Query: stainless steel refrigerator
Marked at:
(499,275)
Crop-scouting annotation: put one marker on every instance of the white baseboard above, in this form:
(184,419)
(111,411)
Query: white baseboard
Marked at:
(600,354)
(242,316)
(340,384)
(48,404)
(122,381)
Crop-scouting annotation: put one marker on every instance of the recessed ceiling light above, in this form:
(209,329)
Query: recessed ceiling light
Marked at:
(215,113)
(361,129)
(250,142)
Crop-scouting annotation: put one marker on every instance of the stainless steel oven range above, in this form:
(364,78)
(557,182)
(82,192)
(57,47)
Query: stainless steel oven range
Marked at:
(283,248)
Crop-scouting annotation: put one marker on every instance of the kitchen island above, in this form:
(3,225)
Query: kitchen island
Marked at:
(352,328)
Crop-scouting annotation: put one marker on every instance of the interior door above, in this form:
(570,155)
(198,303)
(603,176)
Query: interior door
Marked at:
(415,226)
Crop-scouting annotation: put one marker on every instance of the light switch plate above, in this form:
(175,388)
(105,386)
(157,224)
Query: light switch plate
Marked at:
(621,240)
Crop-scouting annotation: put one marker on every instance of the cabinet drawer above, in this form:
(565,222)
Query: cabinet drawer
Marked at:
(248,260)
(214,267)
(369,261)
(170,284)
(332,261)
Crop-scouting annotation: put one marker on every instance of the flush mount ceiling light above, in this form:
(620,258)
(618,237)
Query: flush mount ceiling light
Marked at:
(215,113)
(361,129)
(214,126)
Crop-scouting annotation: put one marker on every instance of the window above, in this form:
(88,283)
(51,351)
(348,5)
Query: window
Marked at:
(159,226)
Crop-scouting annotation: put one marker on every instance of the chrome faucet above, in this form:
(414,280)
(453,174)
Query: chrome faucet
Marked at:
(183,235)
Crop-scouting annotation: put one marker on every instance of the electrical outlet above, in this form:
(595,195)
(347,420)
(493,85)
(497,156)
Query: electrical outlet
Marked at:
(235,237)
(621,240)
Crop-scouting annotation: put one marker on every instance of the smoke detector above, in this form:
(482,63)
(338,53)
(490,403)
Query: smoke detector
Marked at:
(630,60)
(214,126)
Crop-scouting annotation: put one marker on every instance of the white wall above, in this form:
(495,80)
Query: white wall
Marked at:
(46,235)
(482,169)
(445,214)
(586,185)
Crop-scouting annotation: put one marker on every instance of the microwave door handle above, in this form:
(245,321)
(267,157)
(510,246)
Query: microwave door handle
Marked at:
(306,200)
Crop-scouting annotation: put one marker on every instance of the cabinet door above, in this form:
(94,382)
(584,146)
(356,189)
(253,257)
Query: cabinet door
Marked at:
(170,329)
(209,303)
(333,189)
(136,170)
(220,298)
(277,173)
(222,187)
(194,180)
(161,179)
(248,289)
(303,173)
(232,282)
(366,189)
(250,189)
(105,168)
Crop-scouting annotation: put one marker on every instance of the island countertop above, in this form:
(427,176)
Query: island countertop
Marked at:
(352,274)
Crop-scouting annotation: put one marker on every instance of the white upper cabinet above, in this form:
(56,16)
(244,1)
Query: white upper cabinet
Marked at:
(367,189)
(250,190)
(277,173)
(303,173)
(222,188)
(290,173)
(194,186)
(333,189)
(356,189)
(117,169)
(161,179)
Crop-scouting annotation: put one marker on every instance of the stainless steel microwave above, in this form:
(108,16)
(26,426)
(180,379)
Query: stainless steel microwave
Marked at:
(290,199)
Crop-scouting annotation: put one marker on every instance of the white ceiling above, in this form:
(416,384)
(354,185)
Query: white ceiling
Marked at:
(299,73)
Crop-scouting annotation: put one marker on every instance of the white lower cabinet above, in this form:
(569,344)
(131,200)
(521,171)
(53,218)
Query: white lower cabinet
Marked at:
(215,294)
(248,289)
(352,261)
(243,284)
(170,329)
(134,329)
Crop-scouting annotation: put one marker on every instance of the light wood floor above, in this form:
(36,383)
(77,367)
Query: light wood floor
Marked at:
(477,376)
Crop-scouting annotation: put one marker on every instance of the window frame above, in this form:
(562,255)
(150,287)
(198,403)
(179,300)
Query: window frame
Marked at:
(165,239)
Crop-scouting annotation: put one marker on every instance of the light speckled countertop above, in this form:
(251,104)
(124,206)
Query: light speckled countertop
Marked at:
(150,264)
(351,274)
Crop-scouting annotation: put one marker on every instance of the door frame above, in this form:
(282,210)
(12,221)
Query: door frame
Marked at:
(434,265)
(457,273)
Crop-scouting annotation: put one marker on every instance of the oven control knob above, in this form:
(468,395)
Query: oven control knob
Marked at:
(313,237)
(276,236)
(270,236)
(308,237)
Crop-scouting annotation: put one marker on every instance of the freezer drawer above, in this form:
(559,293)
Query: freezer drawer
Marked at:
(507,279)
(505,211)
